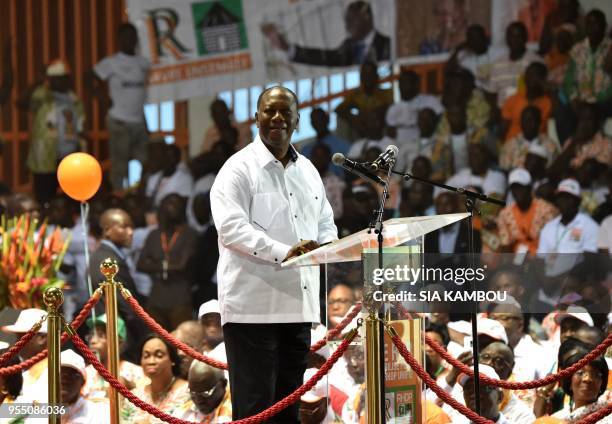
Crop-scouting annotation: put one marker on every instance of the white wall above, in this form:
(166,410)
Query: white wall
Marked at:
(198,121)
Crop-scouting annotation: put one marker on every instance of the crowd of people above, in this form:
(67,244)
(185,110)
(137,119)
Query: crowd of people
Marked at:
(529,127)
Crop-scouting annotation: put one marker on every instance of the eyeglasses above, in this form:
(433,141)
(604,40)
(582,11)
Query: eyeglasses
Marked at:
(205,394)
(496,361)
(332,302)
(593,375)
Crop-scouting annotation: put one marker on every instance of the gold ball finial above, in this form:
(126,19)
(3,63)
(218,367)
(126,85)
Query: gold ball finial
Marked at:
(53,298)
(109,268)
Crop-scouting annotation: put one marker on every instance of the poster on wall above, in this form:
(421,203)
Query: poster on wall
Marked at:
(199,48)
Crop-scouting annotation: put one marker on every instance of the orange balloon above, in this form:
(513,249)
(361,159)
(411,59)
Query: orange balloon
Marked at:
(80,176)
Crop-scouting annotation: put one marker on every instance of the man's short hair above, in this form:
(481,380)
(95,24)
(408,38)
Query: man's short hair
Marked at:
(272,88)
(360,6)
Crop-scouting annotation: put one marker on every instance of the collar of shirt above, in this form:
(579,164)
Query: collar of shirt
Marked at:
(115,248)
(264,156)
(367,41)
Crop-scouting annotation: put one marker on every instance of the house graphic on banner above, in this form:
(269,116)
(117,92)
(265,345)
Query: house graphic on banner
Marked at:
(219,27)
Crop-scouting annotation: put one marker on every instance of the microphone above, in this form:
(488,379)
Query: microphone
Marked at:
(385,158)
(356,168)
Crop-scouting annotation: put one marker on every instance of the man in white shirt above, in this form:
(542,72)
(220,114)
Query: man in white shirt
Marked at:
(268,204)
(174,177)
(126,74)
(79,410)
(572,231)
(402,116)
(479,174)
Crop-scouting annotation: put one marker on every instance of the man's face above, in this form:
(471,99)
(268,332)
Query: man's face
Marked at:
(97,341)
(498,356)
(477,159)
(319,120)
(339,302)
(277,118)
(446,203)
(355,363)
(457,119)
(321,159)
(431,354)
(426,122)
(72,382)
(515,38)
(570,326)
(511,321)
(121,231)
(206,392)
(368,77)
(477,40)
(594,30)
(60,84)
(220,113)
(568,204)
(358,23)
(522,195)
(409,86)
(213,331)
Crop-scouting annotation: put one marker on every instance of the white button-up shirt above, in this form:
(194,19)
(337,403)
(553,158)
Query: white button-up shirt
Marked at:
(261,209)
(578,236)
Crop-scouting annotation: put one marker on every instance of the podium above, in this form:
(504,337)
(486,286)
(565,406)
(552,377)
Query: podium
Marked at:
(395,395)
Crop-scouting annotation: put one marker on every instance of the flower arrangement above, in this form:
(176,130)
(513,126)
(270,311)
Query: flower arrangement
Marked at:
(30,257)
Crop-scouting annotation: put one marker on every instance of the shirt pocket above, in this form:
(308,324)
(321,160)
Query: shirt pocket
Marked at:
(268,211)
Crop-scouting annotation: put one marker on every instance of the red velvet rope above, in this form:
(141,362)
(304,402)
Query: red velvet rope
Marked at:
(139,310)
(261,417)
(521,385)
(596,416)
(19,344)
(431,383)
(76,323)
(168,337)
(334,332)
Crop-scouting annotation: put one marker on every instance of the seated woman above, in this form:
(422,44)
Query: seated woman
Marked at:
(167,392)
(585,388)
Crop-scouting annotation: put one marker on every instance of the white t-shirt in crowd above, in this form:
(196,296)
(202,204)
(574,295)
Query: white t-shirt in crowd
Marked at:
(127,81)
(604,240)
(403,115)
(578,236)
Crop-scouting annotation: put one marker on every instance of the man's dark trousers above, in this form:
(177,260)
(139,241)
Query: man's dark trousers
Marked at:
(266,363)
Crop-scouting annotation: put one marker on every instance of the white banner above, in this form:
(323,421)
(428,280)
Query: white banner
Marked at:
(198,48)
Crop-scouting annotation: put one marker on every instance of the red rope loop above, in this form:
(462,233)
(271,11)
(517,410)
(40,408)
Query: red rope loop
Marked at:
(76,323)
(431,383)
(19,344)
(168,337)
(334,332)
(521,385)
(261,417)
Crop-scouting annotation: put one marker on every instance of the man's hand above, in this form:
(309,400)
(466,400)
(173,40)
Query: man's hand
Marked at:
(465,358)
(302,247)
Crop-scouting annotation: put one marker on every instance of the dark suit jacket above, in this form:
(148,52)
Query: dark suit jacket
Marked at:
(343,55)
(135,326)
(432,240)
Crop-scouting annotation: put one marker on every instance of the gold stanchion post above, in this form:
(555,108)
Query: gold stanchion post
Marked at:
(109,269)
(373,374)
(53,299)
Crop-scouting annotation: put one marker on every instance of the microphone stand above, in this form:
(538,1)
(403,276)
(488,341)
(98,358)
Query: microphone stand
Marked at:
(376,225)
(470,198)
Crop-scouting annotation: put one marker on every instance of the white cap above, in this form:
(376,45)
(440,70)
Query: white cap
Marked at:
(69,358)
(569,185)
(577,312)
(487,370)
(3,345)
(26,320)
(462,327)
(58,68)
(318,391)
(493,329)
(538,150)
(210,307)
(519,176)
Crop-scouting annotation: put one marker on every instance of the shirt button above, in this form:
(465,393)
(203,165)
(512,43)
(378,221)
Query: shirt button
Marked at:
(316,198)
(295,216)
(275,260)
(290,194)
(255,253)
